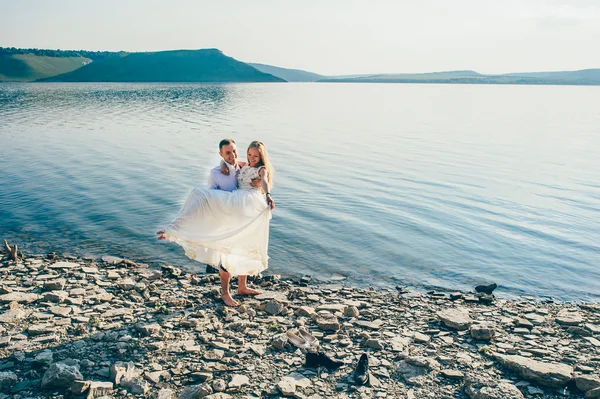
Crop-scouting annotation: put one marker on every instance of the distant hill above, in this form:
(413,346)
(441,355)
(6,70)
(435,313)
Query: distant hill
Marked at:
(583,77)
(290,75)
(209,65)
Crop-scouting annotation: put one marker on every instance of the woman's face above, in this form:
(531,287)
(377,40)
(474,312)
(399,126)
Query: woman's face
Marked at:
(253,156)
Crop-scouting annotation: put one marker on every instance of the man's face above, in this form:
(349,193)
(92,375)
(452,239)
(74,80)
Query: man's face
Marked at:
(229,153)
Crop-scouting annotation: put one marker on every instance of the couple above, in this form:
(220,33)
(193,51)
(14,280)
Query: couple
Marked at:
(227,225)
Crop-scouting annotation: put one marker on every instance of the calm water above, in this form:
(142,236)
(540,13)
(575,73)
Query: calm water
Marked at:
(436,185)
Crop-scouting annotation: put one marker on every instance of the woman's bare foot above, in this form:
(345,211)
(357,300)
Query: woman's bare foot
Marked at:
(248,291)
(229,301)
(161,235)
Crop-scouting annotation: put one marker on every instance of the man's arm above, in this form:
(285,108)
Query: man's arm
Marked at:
(212,180)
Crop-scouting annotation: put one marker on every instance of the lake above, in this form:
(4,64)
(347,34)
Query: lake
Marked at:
(437,186)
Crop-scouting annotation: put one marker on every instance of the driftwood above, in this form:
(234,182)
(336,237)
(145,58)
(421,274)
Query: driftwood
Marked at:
(12,252)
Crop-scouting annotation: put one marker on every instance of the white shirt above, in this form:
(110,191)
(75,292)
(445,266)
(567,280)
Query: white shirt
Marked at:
(218,181)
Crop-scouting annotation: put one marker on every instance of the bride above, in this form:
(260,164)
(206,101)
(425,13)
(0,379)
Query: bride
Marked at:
(229,229)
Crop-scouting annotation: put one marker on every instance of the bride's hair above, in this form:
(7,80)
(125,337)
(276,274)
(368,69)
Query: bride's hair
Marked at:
(264,159)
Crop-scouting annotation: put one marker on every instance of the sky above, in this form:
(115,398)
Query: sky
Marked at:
(329,37)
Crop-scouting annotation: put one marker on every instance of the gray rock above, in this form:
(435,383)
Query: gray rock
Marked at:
(554,375)
(196,392)
(483,331)
(123,371)
(328,323)
(56,296)
(55,285)
(219,385)
(8,380)
(456,318)
(14,314)
(274,307)
(43,358)
(238,381)
(351,311)
(481,387)
(567,318)
(165,393)
(148,329)
(593,394)
(287,386)
(374,344)
(587,382)
(19,297)
(136,385)
(280,341)
(60,376)
(98,389)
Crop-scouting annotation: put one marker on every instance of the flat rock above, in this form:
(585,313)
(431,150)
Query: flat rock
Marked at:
(554,375)
(455,318)
(567,318)
(14,314)
(19,297)
(481,387)
(64,265)
(60,376)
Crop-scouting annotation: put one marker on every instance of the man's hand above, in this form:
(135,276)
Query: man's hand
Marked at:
(224,168)
(270,201)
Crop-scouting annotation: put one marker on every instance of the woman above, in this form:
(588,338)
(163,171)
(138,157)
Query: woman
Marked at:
(229,229)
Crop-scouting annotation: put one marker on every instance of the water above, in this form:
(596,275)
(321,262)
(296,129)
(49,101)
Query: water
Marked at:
(385,184)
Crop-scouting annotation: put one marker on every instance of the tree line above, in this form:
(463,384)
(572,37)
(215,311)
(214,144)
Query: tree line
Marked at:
(93,55)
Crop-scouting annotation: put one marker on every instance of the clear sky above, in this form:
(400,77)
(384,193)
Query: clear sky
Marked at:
(329,37)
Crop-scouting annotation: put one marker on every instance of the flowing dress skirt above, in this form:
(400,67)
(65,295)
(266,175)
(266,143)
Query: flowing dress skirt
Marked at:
(224,228)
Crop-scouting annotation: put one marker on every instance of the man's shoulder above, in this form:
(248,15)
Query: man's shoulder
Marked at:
(216,169)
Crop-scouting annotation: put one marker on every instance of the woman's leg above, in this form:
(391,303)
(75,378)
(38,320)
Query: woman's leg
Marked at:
(225,295)
(243,288)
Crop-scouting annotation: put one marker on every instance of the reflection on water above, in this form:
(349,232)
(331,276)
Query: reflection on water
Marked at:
(386,184)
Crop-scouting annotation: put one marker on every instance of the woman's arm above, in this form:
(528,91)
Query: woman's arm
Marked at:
(266,187)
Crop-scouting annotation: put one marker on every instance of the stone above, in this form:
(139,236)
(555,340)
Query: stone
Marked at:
(374,344)
(587,382)
(593,394)
(486,288)
(238,381)
(56,296)
(374,325)
(420,337)
(351,311)
(305,311)
(8,380)
(64,265)
(455,318)
(567,318)
(60,376)
(274,307)
(148,329)
(287,386)
(123,371)
(481,387)
(280,341)
(99,389)
(19,297)
(136,385)
(328,324)
(453,374)
(196,392)
(13,315)
(553,375)
(79,387)
(55,285)
(165,393)
(63,311)
(483,331)
(43,359)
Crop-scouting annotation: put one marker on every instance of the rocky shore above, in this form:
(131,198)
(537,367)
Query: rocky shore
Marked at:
(75,328)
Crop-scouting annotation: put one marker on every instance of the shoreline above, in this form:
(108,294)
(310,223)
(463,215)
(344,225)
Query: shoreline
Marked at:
(75,327)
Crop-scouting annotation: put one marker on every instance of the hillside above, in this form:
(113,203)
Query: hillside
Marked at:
(209,65)
(28,67)
(290,75)
(583,77)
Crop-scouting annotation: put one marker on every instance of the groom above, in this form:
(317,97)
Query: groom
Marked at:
(220,181)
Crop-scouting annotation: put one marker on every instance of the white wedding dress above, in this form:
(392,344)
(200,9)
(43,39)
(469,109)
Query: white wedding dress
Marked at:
(225,228)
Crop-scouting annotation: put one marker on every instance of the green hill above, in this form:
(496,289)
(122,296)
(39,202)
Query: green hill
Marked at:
(209,65)
(290,75)
(28,67)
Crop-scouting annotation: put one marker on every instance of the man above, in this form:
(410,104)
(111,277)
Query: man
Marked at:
(228,182)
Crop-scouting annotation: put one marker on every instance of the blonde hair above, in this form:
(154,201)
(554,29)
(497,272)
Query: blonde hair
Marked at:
(264,159)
